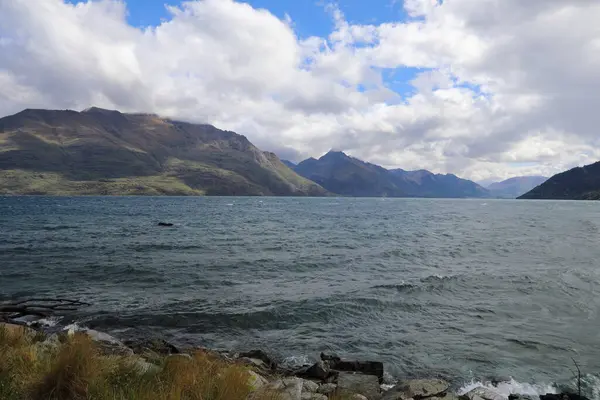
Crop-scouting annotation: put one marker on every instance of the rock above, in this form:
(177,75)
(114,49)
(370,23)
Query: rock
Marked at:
(364,367)
(107,344)
(144,367)
(417,389)
(327,388)
(358,397)
(319,370)
(521,397)
(254,362)
(313,396)
(157,346)
(50,343)
(255,381)
(287,389)
(259,355)
(165,224)
(310,386)
(482,393)
(366,385)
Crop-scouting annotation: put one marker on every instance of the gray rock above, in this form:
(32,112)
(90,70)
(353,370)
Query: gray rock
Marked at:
(358,397)
(364,367)
(255,381)
(144,367)
(254,362)
(417,389)
(319,370)
(366,385)
(310,386)
(482,393)
(327,388)
(288,388)
(260,355)
(522,397)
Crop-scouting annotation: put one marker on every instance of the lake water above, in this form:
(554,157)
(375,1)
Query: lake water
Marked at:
(467,290)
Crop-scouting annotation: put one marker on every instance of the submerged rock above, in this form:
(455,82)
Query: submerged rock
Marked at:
(418,389)
(366,385)
(165,224)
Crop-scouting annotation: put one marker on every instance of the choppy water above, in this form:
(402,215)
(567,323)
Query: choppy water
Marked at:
(463,289)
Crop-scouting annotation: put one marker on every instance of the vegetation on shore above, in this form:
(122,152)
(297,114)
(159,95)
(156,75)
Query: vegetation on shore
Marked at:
(74,368)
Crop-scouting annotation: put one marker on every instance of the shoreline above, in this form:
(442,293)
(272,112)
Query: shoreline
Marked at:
(330,376)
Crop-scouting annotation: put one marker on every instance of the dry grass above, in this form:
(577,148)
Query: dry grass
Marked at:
(76,370)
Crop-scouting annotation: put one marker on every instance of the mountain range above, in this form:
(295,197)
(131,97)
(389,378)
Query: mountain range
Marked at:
(99,151)
(106,152)
(349,176)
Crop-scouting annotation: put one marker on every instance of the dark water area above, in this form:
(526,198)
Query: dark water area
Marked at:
(461,289)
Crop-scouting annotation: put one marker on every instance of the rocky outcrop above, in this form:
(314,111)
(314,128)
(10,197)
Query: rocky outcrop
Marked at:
(365,385)
(418,389)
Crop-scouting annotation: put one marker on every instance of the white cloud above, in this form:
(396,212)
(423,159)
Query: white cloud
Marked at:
(507,87)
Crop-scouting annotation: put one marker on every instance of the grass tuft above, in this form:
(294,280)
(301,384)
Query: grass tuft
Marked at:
(76,370)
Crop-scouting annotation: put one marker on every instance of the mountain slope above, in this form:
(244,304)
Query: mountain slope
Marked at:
(348,176)
(107,152)
(581,183)
(345,175)
(427,184)
(515,187)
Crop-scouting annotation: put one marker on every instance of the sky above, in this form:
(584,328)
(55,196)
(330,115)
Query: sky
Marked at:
(480,88)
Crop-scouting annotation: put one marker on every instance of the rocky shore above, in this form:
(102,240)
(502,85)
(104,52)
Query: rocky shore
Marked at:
(332,377)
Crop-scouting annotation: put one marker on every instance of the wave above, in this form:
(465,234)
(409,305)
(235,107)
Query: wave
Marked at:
(509,387)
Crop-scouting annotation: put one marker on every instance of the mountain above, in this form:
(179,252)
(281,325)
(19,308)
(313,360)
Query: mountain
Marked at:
(349,176)
(427,184)
(515,187)
(107,152)
(288,164)
(581,183)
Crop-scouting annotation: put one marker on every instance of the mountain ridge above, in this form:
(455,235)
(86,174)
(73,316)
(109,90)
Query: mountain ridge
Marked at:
(516,186)
(99,151)
(346,175)
(579,183)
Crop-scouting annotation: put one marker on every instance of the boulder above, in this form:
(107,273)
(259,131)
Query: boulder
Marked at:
(357,396)
(364,367)
(327,388)
(319,370)
(366,385)
(483,393)
(287,389)
(144,367)
(259,355)
(107,344)
(310,386)
(255,381)
(254,362)
(417,389)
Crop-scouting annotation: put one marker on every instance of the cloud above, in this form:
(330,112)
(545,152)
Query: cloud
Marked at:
(505,87)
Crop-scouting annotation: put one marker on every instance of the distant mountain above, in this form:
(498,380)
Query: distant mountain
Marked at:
(515,187)
(107,152)
(288,164)
(349,176)
(581,183)
(423,183)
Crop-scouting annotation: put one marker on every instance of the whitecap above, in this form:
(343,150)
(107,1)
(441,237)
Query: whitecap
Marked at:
(510,387)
